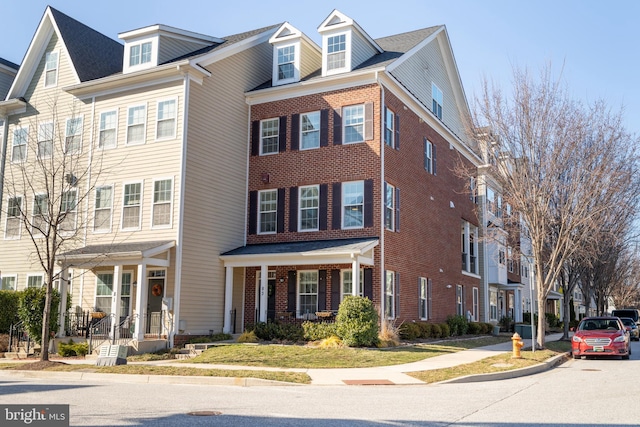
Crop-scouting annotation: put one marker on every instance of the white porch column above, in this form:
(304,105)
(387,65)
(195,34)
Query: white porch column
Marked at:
(228,299)
(141,303)
(62,309)
(115,301)
(264,280)
(355,277)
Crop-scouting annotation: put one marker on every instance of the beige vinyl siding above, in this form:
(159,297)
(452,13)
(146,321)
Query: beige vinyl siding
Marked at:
(215,193)
(310,60)
(171,48)
(361,50)
(417,77)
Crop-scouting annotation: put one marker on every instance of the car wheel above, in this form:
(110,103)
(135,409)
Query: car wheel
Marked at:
(626,357)
(576,356)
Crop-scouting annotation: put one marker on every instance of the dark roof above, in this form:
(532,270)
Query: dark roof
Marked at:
(297,247)
(9,64)
(93,54)
(229,40)
(116,248)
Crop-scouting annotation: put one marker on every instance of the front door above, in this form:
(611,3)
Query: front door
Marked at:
(271,299)
(154,305)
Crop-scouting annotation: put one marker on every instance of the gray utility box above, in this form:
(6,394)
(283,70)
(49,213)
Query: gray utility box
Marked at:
(111,355)
(524,331)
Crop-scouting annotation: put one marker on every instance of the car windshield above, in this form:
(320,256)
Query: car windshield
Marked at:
(627,322)
(599,324)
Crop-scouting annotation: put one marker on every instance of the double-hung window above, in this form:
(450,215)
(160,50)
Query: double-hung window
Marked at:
(389,207)
(51,69)
(493,304)
(166,125)
(286,62)
(353,123)
(125,294)
(267,211)
(103,208)
(269,136)
(423,298)
(162,190)
(347,283)
(35,280)
(136,117)
(353,204)
(389,128)
(132,206)
(73,135)
(45,140)
(19,146)
(437,99)
(459,300)
(469,234)
(8,283)
(428,156)
(14,218)
(389,294)
(310,130)
(307,292)
(309,207)
(336,52)
(39,218)
(104,291)
(140,54)
(108,126)
(68,207)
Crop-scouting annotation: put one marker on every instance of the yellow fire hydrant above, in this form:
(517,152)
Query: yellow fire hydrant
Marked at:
(517,345)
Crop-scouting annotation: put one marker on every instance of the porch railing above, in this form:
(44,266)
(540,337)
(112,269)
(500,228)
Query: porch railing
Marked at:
(100,331)
(18,338)
(77,324)
(155,321)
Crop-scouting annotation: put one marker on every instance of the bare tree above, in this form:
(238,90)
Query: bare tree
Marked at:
(49,174)
(559,163)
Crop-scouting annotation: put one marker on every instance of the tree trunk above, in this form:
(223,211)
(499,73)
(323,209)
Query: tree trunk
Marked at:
(46,315)
(567,316)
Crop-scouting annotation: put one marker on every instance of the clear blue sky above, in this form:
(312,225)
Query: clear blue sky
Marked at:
(595,42)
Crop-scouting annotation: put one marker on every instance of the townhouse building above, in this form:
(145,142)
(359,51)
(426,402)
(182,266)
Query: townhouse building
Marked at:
(353,186)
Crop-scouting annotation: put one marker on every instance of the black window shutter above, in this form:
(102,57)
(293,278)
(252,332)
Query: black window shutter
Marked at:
(397,295)
(420,302)
(337,126)
(424,153)
(384,114)
(291,291)
(368,121)
(322,290)
(295,131)
(280,214)
(253,212)
(324,128)
(282,134)
(433,154)
(368,203)
(335,289)
(323,213)
(255,138)
(368,283)
(397,209)
(397,131)
(429,315)
(293,209)
(336,222)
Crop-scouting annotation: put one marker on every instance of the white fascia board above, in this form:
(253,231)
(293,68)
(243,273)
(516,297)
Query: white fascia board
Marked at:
(170,31)
(225,52)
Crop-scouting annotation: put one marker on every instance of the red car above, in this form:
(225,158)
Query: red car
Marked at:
(601,336)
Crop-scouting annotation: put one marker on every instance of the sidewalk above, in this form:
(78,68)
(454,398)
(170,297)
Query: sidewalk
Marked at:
(383,375)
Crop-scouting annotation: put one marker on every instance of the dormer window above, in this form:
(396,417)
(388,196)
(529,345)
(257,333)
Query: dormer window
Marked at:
(286,65)
(336,52)
(51,69)
(436,95)
(140,54)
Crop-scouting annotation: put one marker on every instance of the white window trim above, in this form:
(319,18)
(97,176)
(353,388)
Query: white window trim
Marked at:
(391,198)
(424,284)
(475,303)
(153,204)
(175,119)
(301,148)
(22,200)
(40,125)
(259,222)
(296,63)
(144,125)
(26,143)
(128,68)
(115,141)
(95,194)
(392,308)
(342,206)
(262,153)
(131,293)
(74,211)
(298,294)
(360,287)
(317,227)
(390,125)
(13,276)
(141,205)
(57,69)
(344,124)
(29,275)
(34,233)
(325,53)
(80,132)
(95,289)
(429,155)
(435,90)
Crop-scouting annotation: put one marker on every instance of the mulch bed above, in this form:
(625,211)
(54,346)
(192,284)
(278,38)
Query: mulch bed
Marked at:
(37,366)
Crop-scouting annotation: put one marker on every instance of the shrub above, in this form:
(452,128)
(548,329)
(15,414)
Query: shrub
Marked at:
(32,301)
(73,349)
(474,328)
(331,342)
(409,331)
(248,336)
(357,322)
(506,323)
(389,334)
(444,330)
(458,325)
(270,331)
(210,338)
(435,331)
(552,320)
(318,331)
(9,302)
(425,329)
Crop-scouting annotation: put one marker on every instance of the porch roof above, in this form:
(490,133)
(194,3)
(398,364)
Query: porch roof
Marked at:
(118,253)
(338,251)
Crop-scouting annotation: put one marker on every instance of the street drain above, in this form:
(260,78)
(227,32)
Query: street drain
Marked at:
(204,413)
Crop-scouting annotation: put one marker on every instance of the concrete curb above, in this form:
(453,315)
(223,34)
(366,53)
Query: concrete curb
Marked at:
(515,373)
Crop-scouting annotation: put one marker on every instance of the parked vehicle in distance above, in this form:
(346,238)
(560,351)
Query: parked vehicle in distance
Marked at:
(628,312)
(601,336)
(634,332)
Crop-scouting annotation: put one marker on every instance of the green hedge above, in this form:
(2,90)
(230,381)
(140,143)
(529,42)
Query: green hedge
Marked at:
(9,302)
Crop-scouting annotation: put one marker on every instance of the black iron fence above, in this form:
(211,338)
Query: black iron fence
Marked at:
(19,338)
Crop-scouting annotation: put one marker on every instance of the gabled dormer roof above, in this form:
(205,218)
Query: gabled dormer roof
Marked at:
(338,20)
(92,54)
